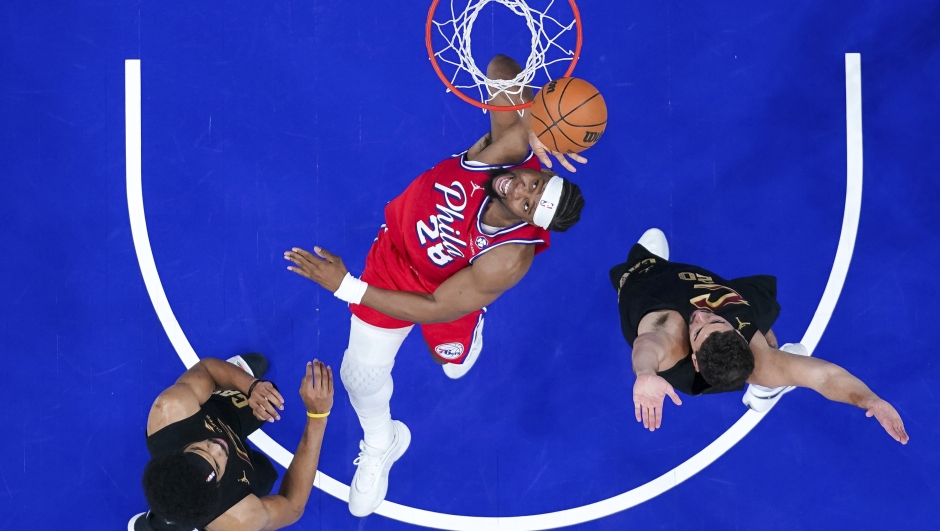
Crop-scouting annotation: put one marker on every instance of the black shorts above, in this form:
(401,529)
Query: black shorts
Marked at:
(637,257)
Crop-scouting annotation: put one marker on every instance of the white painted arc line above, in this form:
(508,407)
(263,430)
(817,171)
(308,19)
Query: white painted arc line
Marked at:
(853,202)
(536,522)
(135,208)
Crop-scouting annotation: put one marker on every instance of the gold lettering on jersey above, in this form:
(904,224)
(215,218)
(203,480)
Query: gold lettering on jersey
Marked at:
(244,478)
(210,425)
(696,277)
(648,262)
(237,444)
(239,400)
(741,324)
(724,296)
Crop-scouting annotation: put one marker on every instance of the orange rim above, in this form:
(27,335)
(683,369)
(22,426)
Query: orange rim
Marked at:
(427,41)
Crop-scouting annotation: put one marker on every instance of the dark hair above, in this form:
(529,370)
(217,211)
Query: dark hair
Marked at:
(569,207)
(177,491)
(725,360)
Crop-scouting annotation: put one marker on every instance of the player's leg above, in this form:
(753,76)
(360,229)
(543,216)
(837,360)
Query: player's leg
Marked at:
(457,344)
(366,373)
(652,246)
(507,129)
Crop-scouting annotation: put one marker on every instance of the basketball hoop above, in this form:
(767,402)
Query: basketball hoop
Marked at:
(545,30)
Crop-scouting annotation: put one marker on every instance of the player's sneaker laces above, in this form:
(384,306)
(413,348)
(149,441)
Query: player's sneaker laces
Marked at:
(655,242)
(370,484)
(760,398)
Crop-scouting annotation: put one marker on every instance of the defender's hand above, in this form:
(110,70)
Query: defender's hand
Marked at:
(649,392)
(542,153)
(889,419)
(264,401)
(327,270)
(316,389)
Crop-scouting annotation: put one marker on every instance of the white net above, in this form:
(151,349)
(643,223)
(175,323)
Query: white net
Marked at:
(545,31)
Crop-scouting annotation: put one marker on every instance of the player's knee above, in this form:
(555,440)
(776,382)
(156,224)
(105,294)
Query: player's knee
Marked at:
(363,379)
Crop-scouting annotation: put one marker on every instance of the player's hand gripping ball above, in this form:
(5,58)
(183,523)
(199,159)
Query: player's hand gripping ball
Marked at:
(568,115)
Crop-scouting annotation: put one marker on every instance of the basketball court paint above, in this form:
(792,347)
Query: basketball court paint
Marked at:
(291,124)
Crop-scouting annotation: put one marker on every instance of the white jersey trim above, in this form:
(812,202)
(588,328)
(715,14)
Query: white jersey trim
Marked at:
(500,232)
(475,165)
(491,247)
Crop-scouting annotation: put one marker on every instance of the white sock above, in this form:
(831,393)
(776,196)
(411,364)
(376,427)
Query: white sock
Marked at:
(375,415)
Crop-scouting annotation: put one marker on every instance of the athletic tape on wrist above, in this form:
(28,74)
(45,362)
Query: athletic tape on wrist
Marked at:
(351,290)
(548,204)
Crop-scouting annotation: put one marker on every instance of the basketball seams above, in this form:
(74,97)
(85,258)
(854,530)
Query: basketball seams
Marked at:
(569,113)
(547,127)
(563,118)
(562,123)
(561,96)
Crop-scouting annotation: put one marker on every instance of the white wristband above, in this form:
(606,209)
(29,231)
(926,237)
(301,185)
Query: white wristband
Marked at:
(351,290)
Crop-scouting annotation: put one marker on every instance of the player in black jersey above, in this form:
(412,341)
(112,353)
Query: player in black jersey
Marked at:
(698,333)
(202,473)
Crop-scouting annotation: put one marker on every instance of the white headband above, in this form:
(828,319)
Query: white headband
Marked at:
(545,212)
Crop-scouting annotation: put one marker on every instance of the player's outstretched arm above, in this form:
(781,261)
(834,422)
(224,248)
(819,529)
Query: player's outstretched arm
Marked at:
(650,389)
(285,508)
(467,291)
(776,368)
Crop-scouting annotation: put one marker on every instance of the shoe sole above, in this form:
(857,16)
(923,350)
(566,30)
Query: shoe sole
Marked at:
(394,457)
(764,400)
(133,521)
(457,371)
(651,238)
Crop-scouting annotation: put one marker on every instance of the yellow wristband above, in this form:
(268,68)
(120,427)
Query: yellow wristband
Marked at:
(318,415)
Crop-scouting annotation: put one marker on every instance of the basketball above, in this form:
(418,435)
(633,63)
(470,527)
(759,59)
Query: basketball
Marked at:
(568,115)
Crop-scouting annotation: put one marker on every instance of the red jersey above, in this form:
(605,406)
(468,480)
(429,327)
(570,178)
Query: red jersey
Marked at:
(436,222)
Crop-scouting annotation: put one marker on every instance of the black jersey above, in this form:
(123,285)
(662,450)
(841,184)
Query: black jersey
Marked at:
(647,283)
(224,416)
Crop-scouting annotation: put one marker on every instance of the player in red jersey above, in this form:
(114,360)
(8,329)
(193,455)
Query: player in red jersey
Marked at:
(458,237)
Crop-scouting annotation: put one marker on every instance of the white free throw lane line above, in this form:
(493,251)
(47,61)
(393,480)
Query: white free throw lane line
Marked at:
(566,517)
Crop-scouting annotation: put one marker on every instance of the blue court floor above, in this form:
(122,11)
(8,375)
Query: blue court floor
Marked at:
(267,125)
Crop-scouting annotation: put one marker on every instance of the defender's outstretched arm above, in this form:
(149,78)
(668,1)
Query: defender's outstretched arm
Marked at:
(776,368)
(650,389)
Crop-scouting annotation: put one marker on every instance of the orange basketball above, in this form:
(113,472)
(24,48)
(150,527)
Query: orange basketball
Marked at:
(568,115)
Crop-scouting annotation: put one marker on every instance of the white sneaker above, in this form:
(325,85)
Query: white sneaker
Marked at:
(655,242)
(240,362)
(370,483)
(132,524)
(760,398)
